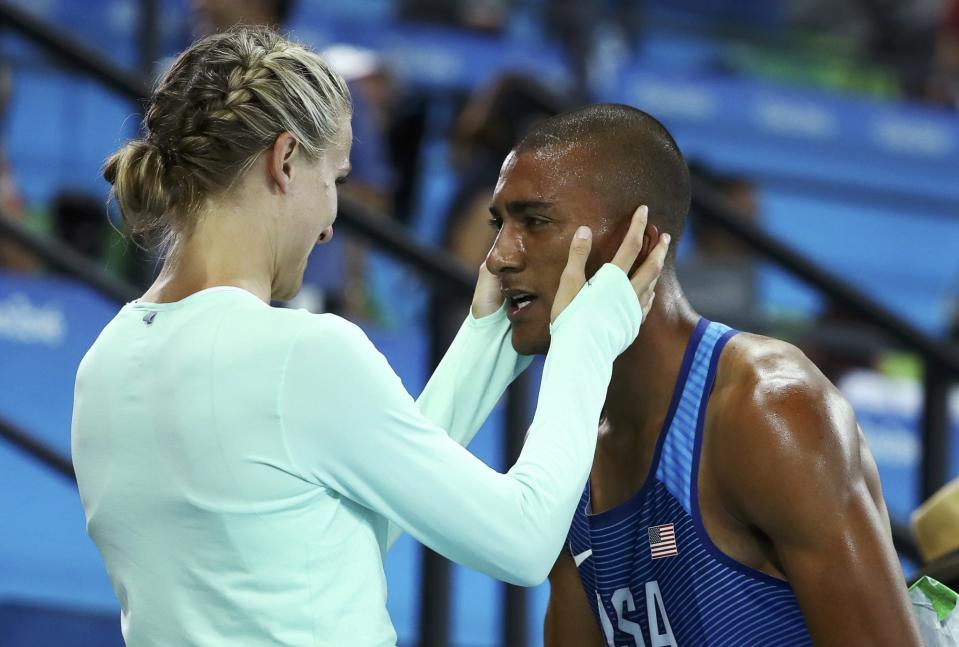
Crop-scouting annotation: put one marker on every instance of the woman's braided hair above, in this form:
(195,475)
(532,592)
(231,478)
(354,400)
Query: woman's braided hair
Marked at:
(222,103)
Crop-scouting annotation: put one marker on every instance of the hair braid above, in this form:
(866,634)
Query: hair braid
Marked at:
(222,103)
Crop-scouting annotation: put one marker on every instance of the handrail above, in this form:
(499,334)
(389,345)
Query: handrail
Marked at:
(66,259)
(717,209)
(73,53)
(38,450)
(395,239)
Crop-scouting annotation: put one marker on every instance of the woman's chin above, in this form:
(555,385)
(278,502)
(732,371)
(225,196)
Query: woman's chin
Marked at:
(287,286)
(287,291)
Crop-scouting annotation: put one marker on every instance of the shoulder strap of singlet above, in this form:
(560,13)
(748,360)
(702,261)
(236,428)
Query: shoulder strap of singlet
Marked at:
(675,468)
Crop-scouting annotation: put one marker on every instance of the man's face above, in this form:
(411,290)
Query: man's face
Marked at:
(540,200)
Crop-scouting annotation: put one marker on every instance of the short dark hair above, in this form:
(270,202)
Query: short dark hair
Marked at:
(634,158)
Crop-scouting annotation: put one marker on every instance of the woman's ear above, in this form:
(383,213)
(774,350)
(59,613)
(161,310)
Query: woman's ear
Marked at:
(280,161)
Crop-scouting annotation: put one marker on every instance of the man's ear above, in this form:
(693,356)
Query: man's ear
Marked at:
(650,238)
(280,161)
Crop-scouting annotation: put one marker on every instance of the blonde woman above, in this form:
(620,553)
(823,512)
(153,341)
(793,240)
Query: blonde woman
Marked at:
(244,468)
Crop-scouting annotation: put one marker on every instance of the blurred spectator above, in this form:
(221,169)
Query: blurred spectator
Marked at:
(12,256)
(944,82)
(841,344)
(80,220)
(372,87)
(882,46)
(952,316)
(887,29)
(337,276)
(482,15)
(218,15)
(573,23)
(493,120)
(720,277)
(490,124)
(410,116)
(388,128)
(719,273)
(935,525)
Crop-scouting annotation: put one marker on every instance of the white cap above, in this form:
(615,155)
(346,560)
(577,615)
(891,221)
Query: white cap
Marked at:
(352,62)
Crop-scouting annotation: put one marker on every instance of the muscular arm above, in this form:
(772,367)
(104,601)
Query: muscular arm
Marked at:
(569,620)
(798,471)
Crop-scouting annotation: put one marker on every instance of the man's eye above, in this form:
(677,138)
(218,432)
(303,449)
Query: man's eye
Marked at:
(532,221)
(495,223)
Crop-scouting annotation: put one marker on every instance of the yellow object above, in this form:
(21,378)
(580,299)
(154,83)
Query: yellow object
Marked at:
(935,524)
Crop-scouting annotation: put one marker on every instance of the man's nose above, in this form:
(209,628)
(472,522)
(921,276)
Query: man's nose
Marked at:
(507,254)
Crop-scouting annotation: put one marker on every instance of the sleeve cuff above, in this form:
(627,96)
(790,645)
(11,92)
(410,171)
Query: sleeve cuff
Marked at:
(612,285)
(489,320)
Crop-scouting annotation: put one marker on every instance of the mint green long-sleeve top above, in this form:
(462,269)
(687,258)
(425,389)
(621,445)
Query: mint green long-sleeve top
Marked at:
(244,468)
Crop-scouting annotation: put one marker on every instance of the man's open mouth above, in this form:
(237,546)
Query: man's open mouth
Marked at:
(520,301)
(517,301)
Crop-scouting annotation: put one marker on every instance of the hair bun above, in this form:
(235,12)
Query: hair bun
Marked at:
(136,172)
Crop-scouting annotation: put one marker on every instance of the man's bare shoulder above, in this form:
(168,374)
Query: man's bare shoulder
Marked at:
(757,374)
(773,413)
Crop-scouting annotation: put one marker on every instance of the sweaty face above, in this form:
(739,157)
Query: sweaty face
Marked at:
(540,200)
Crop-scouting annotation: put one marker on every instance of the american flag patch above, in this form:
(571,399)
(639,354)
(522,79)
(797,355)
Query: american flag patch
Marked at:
(662,541)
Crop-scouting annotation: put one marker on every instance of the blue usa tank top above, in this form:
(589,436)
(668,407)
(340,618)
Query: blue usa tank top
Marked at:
(652,575)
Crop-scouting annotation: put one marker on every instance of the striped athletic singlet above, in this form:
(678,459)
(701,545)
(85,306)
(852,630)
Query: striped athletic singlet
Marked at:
(650,571)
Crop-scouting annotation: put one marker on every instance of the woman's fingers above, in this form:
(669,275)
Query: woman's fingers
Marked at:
(633,242)
(643,281)
(488,295)
(574,275)
(648,272)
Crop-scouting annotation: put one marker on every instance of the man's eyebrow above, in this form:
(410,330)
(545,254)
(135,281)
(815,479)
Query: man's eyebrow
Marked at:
(519,207)
(522,206)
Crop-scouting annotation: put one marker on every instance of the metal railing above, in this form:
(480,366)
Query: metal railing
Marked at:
(40,451)
(74,54)
(64,258)
(942,363)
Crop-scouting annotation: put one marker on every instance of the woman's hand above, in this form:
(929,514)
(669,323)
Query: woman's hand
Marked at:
(488,296)
(643,281)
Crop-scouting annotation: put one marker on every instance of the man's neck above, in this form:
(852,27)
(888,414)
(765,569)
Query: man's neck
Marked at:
(644,376)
